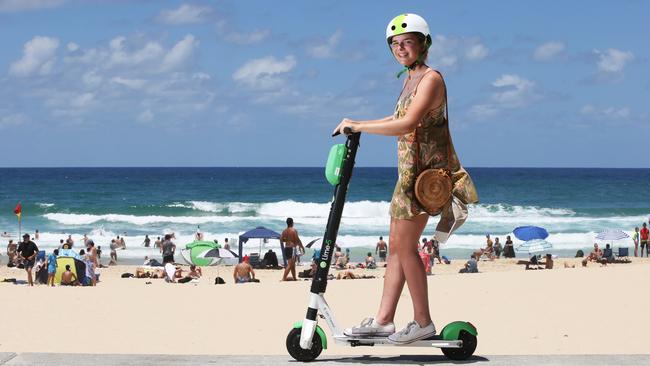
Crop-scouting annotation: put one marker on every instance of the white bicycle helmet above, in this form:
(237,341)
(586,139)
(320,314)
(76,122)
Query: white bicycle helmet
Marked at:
(409,23)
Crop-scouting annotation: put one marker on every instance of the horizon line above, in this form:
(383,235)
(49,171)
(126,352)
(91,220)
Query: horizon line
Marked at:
(302,166)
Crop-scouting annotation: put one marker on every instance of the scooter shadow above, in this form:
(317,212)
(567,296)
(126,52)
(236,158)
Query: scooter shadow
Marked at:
(404,359)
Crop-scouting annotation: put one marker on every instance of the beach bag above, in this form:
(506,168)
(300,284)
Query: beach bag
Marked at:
(127,275)
(219,281)
(433,186)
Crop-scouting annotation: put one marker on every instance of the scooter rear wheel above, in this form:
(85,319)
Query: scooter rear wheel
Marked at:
(466,351)
(297,352)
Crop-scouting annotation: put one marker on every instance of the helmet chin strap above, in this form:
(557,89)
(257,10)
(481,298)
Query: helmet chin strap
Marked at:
(412,66)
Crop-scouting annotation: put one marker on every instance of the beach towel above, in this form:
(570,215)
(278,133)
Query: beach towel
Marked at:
(170,270)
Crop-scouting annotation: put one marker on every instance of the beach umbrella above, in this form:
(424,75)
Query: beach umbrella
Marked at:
(535,246)
(338,243)
(608,235)
(527,233)
(218,253)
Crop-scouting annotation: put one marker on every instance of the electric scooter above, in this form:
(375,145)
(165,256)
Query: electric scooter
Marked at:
(307,339)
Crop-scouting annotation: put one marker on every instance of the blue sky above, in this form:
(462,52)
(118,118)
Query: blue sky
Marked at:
(263,83)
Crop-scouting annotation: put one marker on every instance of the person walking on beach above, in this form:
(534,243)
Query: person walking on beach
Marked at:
(635,240)
(381,249)
(168,249)
(420,121)
(92,252)
(291,241)
(644,239)
(51,267)
(12,253)
(27,250)
(114,245)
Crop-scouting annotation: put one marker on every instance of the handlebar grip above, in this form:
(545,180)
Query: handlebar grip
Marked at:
(346,130)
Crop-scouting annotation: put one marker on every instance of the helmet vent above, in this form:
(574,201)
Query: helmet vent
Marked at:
(403,25)
(392,28)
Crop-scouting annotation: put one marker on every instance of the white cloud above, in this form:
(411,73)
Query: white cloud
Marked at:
(227,32)
(72,46)
(264,73)
(131,83)
(91,78)
(180,53)
(510,91)
(514,91)
(326,49)
(13,120)
(246,38)
(483,111)
(201,76)
(123,76)
(151,52)
(82,100)
(476,52)
(146,116)
(147,56)
(450,52)
(613,60)
(548,51)
(38,57)
(185,14)
(20,5)
(608,113)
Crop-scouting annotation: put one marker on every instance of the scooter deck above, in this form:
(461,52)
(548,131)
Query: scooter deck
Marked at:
(433,341)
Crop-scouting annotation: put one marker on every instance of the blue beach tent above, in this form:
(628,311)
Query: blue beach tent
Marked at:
(259,232)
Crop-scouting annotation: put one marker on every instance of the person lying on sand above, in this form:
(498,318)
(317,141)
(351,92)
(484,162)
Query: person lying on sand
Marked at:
(349,275)
(195,272)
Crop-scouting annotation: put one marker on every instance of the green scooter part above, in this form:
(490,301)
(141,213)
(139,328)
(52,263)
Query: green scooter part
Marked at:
(451,331)
(319,330)
(334,166)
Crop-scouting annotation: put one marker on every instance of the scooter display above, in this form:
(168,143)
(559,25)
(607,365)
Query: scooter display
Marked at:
(306,340)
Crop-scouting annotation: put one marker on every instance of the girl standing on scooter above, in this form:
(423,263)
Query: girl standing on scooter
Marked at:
(420,113)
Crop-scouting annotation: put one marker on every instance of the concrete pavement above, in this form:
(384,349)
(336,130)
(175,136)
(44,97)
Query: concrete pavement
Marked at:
(67,359)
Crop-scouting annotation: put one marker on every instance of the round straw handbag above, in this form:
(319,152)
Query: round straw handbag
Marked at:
(433,189)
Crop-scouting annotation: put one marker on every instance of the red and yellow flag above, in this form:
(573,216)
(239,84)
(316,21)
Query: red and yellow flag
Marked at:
(18,210)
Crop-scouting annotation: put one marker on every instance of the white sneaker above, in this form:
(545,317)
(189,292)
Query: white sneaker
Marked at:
(412,332)
(370,328)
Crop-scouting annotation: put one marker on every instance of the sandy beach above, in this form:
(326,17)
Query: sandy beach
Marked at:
(593,310)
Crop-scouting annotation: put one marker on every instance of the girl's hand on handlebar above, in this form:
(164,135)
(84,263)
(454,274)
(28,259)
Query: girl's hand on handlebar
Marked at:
(346,123)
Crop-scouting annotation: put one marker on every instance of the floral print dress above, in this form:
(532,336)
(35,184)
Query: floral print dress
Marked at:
(436,151)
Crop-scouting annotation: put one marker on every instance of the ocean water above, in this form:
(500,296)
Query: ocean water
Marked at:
(572,204)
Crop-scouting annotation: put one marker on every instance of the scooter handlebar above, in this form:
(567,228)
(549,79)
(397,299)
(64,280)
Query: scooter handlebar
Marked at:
(346,130)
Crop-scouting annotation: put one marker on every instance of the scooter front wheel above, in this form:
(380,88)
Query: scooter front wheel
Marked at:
(297,352)
(466,351)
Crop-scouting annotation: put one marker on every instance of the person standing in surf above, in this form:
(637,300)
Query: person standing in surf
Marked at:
(420,122)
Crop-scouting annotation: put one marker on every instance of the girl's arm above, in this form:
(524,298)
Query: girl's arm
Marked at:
(430,90)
